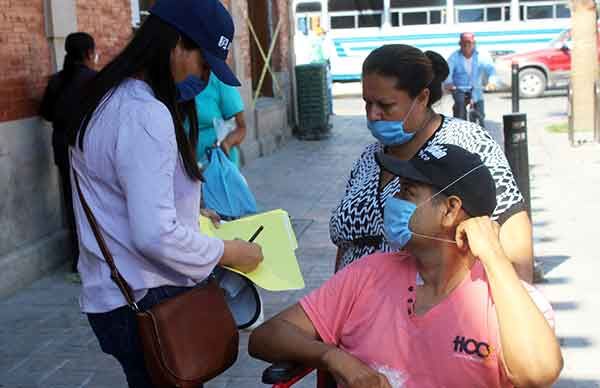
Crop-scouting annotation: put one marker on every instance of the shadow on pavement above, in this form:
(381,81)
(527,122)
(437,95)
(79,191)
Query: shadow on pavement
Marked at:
(575,342)
(540,224)
(564,306)
(550,262)
(300,225)
(556,280)
(577,383)
(544,239)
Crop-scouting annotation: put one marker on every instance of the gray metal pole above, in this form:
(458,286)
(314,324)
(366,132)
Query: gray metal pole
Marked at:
(515,148)
(515,86)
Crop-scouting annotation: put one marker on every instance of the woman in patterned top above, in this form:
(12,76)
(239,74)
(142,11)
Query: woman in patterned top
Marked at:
(400,84)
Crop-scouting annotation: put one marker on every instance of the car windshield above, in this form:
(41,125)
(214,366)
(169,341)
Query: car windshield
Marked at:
(561,39)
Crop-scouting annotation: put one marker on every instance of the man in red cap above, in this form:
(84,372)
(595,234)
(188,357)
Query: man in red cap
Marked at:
(468,69)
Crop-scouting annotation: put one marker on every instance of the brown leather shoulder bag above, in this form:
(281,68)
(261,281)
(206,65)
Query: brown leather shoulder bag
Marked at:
(187,339)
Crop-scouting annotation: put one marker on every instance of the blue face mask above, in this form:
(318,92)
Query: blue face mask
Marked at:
(397,214)
(391,133)
(396,218)
(189,88)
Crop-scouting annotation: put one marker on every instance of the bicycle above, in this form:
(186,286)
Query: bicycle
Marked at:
(472,113)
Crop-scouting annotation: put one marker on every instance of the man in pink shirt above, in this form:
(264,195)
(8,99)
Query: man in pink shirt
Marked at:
(448,311)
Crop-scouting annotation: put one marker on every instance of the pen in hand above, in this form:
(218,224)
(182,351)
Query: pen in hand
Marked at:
(255,235)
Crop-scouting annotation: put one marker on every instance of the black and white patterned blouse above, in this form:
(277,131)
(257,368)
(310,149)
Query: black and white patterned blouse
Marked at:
(356,225)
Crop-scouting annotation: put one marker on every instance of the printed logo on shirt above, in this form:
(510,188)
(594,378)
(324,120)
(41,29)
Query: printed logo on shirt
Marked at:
(471,347)
(435,150)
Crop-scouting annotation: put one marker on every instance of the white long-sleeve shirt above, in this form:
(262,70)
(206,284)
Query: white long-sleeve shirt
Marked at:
(147,207)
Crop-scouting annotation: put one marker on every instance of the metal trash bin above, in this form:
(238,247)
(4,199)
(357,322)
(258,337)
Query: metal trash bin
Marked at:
(313,102)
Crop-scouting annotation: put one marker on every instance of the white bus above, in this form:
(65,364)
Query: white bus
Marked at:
(356,27)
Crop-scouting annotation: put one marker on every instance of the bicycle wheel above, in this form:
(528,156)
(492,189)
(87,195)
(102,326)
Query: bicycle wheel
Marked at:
(476,118)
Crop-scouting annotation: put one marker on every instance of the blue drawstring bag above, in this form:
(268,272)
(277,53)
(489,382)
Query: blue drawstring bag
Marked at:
(225,189)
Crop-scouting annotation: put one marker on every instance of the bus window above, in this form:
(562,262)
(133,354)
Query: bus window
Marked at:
(507,13)
(308,7)
(563,11)
(471,15)
(308,17)
(373,20)
(435,17)
(355,13)
(344,21)
(355,5)
(302,25)
(494,14)
(539,12)
(414,18)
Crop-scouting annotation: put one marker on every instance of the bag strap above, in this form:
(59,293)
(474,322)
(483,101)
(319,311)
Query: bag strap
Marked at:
(115,275)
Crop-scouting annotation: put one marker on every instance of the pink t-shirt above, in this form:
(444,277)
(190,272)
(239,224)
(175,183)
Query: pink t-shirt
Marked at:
(367,310)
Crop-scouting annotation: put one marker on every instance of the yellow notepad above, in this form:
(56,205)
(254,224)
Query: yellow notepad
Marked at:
(279,270)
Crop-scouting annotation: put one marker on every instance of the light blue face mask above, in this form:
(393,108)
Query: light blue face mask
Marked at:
(396,218)
(391,133)
(189,88)
(397,214)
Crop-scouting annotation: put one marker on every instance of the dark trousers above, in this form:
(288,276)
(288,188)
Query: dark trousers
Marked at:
(460,109)
(117,333)
(65,183)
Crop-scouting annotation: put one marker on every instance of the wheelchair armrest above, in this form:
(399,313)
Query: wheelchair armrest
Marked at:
(284,372)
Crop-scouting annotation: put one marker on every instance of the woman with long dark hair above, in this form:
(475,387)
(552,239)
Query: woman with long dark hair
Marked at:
(137,170)
(63,91)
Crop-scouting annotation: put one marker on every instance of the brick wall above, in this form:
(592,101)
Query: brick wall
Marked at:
(108,21)
(242,35)
(25,52)
(280,56)
(25,55)
(281,53)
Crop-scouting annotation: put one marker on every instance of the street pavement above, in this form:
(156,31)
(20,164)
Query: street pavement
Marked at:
(46,342)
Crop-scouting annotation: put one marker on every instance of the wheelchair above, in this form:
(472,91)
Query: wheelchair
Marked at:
(286,374)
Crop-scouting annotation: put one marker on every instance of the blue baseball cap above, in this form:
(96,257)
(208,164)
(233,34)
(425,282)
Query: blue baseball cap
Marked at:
(208,24)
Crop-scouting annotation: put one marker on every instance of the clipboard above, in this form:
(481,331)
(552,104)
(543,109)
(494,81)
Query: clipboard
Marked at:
(279,270)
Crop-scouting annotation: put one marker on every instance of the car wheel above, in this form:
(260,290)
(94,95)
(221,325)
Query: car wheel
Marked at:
(532,83)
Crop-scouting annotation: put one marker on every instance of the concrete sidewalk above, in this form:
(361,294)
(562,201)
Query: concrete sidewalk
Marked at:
(46,342)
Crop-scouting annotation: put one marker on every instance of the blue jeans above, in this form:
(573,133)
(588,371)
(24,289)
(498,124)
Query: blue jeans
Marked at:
(460,109)
(117,333)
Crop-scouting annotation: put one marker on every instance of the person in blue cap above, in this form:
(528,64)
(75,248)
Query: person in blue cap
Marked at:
(137,170)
